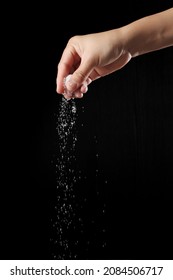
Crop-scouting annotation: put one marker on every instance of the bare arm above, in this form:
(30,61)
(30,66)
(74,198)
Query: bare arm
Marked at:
(148,34)
(89,57)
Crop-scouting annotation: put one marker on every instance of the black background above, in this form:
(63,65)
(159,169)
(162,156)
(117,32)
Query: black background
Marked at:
(130,112)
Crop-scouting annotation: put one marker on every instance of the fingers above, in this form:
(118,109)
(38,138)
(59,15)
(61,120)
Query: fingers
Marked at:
(78,93)
(80,67)
(81,75)
(66,65)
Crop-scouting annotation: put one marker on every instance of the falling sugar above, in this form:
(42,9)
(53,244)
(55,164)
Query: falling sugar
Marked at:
(67,222)
(63,242)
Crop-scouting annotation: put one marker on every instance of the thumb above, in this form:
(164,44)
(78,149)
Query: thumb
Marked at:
(80,75)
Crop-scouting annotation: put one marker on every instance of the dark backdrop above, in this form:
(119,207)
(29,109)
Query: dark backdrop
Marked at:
(129,201)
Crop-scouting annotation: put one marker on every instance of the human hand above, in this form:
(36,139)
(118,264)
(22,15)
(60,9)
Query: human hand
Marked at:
(87,58)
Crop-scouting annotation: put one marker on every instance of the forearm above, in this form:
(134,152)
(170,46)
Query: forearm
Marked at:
(148,34)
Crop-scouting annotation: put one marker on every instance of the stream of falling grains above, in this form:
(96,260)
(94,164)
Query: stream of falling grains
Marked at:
(63,224)
(67,223)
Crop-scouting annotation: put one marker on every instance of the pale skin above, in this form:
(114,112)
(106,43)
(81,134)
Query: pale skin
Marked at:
(92,56)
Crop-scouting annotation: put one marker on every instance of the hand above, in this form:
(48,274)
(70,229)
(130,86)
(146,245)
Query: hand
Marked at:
(87,58)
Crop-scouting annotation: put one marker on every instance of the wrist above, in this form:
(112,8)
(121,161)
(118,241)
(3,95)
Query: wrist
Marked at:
(117,41)
(128,40)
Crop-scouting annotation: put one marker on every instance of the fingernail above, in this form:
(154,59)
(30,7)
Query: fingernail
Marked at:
(89,81)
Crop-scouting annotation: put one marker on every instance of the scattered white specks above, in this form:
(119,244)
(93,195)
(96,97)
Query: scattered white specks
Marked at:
(63,223)
(67,222)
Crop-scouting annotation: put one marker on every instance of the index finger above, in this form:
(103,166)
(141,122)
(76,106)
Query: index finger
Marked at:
(66,65)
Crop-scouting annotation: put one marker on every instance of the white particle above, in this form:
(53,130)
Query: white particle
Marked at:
(63,224)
